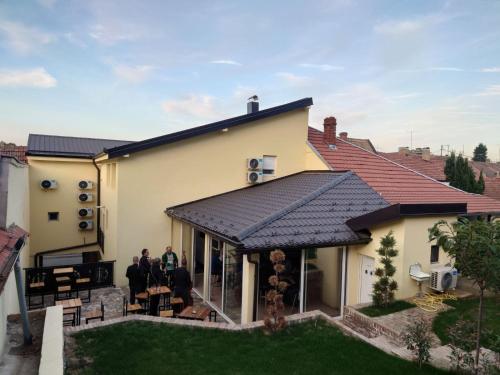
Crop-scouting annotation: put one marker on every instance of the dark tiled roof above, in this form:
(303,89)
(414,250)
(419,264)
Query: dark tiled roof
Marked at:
(204,129)
(54,145)
(396,183)
(8,251)
(305,209)
(18,152)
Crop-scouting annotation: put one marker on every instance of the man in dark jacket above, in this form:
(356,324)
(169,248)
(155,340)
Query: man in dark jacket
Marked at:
(183,283)
(144,269)
(134,278)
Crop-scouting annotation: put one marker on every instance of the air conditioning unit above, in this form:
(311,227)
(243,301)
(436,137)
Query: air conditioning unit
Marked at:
(443,278)
(255,163)
(254,177)
(48,184)
(85,185)
(85,197)
(86,225)
(86,212)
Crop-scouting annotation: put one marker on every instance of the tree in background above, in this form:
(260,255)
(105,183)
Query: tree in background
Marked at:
(461,175)
(385,286)
(480,153)
(474,245)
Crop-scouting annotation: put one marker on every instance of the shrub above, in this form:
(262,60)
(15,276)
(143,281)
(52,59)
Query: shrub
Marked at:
(418,340)
(384,288)
(275,319)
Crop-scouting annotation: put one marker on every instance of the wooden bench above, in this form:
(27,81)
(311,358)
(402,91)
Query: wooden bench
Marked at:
(131,308)
(37,290)
(72,313)
(63,279)
(167,313)
(64,290)
(95,314)
(177,304)
(82,284)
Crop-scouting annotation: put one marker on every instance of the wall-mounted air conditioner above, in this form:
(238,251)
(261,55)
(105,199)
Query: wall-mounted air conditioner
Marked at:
(86,212)
(48,184)
(85,197)
(85,185)
(254,177)
(443,278)
(255,163)
(86,225)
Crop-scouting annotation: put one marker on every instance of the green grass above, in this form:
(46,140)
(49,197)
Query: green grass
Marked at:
(467,309)
(396,306)
(309,348)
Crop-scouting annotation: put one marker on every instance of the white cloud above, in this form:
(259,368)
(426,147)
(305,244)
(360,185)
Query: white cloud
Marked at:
(47,3)
(133,74)
(398,27)
(405,96)
(114,32)
(492,90)
(446,69)
(197,106)
(38,78)
(495,69)
(24,39)
(324,67)
(226,62)
(294,80)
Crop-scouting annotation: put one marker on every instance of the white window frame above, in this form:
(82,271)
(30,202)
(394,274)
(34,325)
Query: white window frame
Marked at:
(274,159)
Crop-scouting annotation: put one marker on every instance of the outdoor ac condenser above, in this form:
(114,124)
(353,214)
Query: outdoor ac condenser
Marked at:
(255,163)
(48,184)
(86,212)
(443,278)
(85,197)
(86,225)
(85,185)
(254,177)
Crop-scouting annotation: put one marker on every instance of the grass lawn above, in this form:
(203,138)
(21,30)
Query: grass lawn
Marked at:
(309,348)
(396,306)
(467,309)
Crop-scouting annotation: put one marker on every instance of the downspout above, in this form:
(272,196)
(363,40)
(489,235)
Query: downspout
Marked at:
(98,208)
(28,337)
(255,286)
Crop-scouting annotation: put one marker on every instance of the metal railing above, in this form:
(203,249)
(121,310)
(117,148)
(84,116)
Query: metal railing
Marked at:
(42,280)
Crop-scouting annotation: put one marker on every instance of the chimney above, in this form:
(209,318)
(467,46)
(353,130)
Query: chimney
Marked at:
(343,136)
(253,104)
(405,150)
(330,131)
(426,154)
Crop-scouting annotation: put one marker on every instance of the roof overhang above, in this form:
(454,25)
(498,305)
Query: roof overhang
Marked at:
(12,243)
(400,210)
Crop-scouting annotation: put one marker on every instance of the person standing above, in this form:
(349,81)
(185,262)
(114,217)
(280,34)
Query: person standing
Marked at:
(170,263)
(156,277)
(183,284)
(134,278)
(144,269)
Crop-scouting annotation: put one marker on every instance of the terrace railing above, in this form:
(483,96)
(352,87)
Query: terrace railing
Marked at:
(101,274)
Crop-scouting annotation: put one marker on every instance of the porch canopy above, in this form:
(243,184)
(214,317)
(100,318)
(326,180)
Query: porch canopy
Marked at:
(307,209)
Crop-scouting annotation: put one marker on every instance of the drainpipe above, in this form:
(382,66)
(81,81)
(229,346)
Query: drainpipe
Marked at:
(28,337)
(255,286)
(98,200)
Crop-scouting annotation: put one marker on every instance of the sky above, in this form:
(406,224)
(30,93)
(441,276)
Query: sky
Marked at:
(402,72)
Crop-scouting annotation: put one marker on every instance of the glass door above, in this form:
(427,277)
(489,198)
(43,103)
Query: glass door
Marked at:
(199,261)
(216,269)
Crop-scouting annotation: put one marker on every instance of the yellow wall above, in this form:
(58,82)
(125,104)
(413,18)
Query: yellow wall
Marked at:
(314,162)
(328,261)
(48,235)
(154,179)
(412,242)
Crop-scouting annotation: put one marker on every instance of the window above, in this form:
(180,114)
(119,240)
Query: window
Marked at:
(434,253)
(53,216)
(269,165)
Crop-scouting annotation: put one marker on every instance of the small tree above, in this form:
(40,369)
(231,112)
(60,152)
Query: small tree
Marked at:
(480,153)
(275,319)
(385,286)
(475,247)
(418,340)
(462,342)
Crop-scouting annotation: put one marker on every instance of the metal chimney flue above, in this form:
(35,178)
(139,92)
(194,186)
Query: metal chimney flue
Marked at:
(253,104)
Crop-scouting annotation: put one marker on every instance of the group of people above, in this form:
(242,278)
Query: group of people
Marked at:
(145,273)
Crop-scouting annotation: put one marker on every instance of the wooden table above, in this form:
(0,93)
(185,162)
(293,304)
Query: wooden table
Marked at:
(62,271)
(74,303)
(162,290)
(201,313)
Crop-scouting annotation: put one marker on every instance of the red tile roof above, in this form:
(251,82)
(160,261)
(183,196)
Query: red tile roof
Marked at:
(396,183)
(19,152)
(433,168)
(8,252)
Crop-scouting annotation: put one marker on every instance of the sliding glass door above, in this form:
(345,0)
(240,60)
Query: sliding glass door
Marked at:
(199,261)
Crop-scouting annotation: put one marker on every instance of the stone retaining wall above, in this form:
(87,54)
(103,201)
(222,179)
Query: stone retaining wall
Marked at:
(51,361)
(369,327)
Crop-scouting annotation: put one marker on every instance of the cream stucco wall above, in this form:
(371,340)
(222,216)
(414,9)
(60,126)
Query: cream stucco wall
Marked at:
(314,162)
(412,242)
(17,213)
(150,181)
(48,235)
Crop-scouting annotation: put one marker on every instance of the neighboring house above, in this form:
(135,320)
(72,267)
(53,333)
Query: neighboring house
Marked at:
(421,160)
(13,226)
(191,190)
(364,143)
(10,149)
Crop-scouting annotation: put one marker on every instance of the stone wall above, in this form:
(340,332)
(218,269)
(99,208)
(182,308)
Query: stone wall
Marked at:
(52,362)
